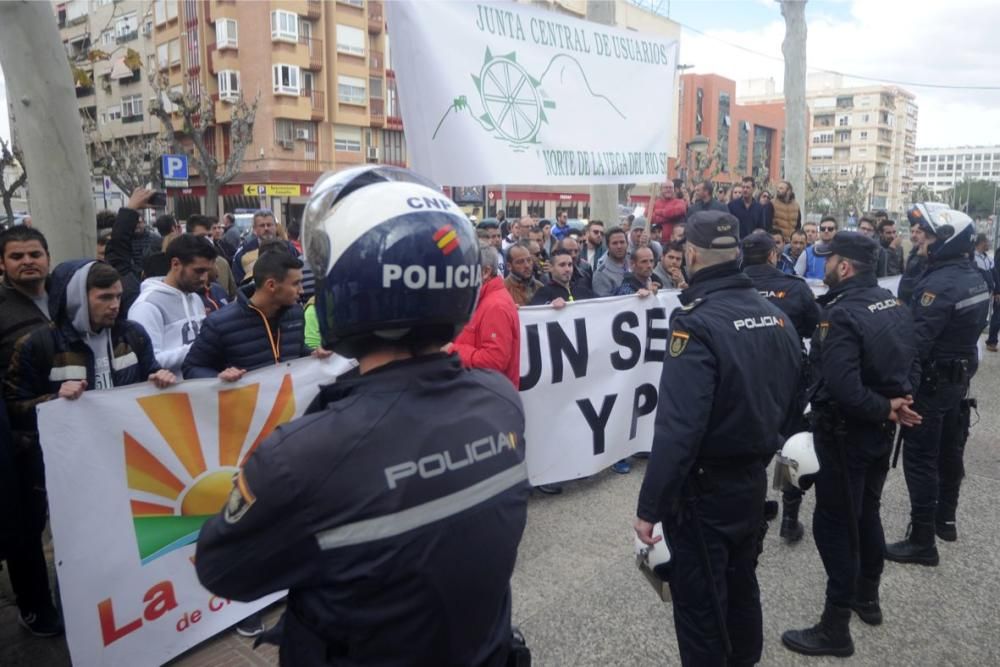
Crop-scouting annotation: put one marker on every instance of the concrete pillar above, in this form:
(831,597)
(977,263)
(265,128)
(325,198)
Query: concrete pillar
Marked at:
(796,112)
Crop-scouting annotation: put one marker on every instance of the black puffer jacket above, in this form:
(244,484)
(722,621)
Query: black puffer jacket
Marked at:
(237,336)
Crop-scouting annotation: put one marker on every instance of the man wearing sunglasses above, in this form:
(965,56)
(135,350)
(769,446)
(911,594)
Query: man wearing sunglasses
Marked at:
(809,265)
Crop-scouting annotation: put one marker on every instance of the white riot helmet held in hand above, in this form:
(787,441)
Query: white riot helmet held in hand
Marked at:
(655,561)
(797,461)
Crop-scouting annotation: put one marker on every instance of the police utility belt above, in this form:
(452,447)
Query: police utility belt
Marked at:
(952,371)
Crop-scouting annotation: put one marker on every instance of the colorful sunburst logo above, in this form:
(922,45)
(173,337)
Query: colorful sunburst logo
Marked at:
(174,493)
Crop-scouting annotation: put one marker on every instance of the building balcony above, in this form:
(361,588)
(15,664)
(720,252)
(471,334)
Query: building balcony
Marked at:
(316,55)
(137,118)
(84,91)
(314,9)
(127,37)
(317,103)
(376,62)
(376,17)
(376,107)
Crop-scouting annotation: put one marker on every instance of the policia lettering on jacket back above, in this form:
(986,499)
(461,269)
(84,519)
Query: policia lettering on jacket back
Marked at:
(723,395)
(392,511)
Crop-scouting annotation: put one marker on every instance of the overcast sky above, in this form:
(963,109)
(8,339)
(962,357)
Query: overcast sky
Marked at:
(953,43)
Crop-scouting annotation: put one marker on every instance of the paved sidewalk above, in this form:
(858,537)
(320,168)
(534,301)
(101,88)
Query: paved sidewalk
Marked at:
(581,603)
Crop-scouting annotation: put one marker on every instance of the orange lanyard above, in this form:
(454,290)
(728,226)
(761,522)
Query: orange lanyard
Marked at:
(275,345)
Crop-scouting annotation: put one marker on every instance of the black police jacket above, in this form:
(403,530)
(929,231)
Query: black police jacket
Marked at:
(915,266)
(392,511)
(724,390)
(789,293)
(863,350)
(950,305)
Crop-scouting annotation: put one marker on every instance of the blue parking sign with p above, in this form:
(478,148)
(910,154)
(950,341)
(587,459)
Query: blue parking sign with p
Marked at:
(175,167)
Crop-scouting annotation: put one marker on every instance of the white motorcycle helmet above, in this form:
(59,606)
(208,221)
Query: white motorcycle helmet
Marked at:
(797,461)
(954,231)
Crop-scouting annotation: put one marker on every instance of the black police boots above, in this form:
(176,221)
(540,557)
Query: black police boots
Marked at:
(791,528)
(918,547)
(866,602)
(832,636)
(944,523)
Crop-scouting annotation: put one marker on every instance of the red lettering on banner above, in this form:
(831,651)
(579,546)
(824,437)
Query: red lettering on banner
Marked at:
(187,620)
(161,600)
(216,603)
(109,632)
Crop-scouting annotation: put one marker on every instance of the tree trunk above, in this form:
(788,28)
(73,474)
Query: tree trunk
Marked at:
(211,198)
(794,49)
(7,208)
(603,198)
(40,88)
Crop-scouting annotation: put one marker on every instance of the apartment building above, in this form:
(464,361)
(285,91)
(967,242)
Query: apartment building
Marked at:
(744,139)
(873,128)
(327,93)
(108,44)
(940,169)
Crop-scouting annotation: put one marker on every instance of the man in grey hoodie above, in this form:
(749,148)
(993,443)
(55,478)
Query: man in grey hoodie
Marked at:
(170,308)
(613,266)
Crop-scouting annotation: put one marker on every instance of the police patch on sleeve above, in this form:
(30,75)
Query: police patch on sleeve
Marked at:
(678,342)
(927,299)
(240,499)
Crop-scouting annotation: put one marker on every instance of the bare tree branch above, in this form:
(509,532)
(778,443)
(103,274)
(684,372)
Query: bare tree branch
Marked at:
(11,158)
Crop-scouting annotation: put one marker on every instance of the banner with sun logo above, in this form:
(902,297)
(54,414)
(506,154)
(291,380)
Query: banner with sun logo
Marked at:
(132,474)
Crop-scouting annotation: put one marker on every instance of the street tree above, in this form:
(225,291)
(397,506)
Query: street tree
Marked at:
(975,197)
(197,119)
(11,158)
(829,195)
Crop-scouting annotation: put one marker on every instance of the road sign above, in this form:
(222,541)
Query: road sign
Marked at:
(272,190)
(107,184)
(175,167)
(174,183)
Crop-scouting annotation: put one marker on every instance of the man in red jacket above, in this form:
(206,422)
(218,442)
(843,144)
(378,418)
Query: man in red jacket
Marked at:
(667,210)
(492,338)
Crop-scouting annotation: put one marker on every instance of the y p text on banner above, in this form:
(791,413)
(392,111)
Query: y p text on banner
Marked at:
(132,474)
(508,93)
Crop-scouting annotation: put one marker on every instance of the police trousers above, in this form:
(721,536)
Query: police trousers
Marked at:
(724,520)
(933,452)
(860,470)
(29,573)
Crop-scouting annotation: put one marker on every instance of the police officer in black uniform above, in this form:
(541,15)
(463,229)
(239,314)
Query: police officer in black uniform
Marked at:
(950,305)
(796,299)
(391,511)
(862,355)
(723,395)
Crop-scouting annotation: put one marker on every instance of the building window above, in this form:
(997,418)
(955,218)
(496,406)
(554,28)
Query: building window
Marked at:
(107,38)
(863,136)
(163,56)
(744,142)
(844,121)
(160,11)
(353,3)
(284,26)
(286,80)
(175,52)
(114,113)
(699,98)
(226,35)
(347,138)
(351,90)
(763,138)
(375,86)
(229,85)
(131,108)
(393,148)
(723,133)
(284,131)
(350,40)
(126,28)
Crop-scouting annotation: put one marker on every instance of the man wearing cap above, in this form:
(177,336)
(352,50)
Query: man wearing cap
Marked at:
(950,307)
(862,354)
(723,395)
(794,297)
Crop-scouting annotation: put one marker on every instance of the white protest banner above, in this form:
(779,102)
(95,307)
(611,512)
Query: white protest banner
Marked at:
(132,474)
(590,376)
(509,93)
